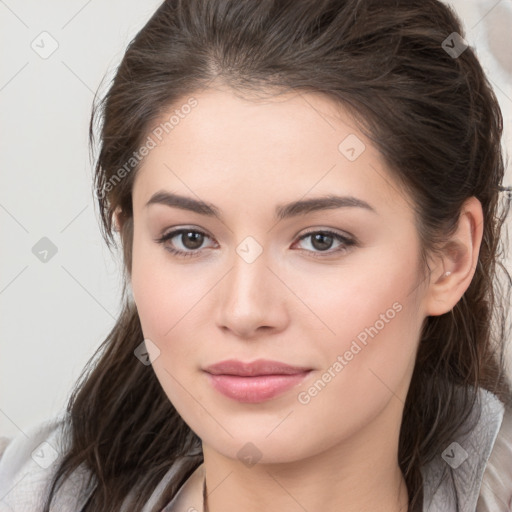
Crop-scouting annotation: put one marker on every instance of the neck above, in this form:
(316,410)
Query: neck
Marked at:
(388,502)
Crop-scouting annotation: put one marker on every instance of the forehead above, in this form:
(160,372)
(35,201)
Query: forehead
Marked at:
(255,148)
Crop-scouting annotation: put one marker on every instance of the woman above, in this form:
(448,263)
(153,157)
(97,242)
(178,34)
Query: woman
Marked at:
(308,200)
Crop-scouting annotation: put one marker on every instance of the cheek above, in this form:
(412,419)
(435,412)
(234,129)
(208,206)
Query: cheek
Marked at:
(148,287)
(369,360)
(359,298)
(365,327)
(164,293)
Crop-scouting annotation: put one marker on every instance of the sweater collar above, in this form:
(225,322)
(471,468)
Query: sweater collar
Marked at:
(452,480)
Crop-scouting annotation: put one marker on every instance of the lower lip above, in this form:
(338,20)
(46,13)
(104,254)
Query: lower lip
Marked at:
(254,389)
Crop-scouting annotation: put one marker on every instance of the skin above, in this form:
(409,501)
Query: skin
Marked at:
(339,450)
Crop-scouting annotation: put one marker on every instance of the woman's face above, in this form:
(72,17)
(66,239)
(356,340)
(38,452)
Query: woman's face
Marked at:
(251,285)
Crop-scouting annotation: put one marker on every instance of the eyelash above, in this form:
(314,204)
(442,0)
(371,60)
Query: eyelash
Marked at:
(346,242)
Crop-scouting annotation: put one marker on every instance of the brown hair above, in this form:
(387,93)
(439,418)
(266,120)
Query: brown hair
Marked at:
(434,118)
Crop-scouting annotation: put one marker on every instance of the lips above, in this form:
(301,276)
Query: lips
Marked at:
(255,368)
(256,381)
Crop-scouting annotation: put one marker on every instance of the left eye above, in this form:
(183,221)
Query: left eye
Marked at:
(192,240)
(321,239)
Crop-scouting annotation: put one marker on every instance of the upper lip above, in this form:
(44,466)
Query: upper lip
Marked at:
(254,368)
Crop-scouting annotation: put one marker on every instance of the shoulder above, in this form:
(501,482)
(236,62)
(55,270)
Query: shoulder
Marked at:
(496,490)
(28,463)
(463,476)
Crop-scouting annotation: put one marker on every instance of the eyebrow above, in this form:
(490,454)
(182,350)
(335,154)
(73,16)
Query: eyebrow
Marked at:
(283,211)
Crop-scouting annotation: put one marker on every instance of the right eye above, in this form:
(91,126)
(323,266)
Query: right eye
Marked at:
(190,239)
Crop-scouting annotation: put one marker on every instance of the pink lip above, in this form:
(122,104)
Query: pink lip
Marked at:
(256,381)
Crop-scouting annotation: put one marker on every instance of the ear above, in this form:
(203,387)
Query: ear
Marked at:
(455,266)
(117,219)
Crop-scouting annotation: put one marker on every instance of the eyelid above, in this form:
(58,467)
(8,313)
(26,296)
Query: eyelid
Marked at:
(331,231)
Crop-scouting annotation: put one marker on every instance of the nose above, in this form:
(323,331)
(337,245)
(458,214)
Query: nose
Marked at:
(252,299)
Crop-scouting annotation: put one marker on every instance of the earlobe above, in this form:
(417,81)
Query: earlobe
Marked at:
(457,262)
(116,219)
(129,290)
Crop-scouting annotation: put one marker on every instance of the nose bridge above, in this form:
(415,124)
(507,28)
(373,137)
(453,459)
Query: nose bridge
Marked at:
(248,279)
(249,298)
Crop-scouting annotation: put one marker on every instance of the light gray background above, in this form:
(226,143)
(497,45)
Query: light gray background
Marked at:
(54,314)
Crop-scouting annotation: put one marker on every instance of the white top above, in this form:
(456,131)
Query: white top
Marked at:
(475,469)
